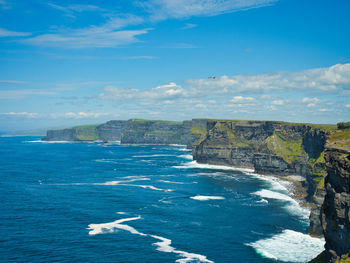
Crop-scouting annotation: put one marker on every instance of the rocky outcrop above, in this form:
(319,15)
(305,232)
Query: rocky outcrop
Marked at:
(270,147)
(335,213)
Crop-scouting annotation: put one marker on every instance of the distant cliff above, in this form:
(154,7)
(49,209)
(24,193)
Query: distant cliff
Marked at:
(78,133)
(135,131)
(270,147)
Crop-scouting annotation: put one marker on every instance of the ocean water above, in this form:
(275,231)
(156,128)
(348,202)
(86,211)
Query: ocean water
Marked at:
(95,202)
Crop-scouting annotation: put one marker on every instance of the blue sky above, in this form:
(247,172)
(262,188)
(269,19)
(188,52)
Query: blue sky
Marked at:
(64,62)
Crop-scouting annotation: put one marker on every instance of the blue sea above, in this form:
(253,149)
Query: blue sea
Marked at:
(95,202)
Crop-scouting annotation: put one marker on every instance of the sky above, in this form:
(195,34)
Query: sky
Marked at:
(70,62)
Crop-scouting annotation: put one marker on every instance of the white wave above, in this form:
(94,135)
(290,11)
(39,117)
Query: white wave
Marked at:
(293,207)
(96,229)
(289,246)
(186,156)
(107,161)
(40,141)
(194,164)
(185,150)
(153,155)
(164,245)
(276,183)
(121,213)
(123,181)
(150,187)
(207,197)
(263,201)
(177,145)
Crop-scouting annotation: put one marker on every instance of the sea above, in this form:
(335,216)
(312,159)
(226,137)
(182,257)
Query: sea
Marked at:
(98,202)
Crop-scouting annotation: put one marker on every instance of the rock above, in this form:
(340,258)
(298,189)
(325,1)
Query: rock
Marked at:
(111,130)
(335,212)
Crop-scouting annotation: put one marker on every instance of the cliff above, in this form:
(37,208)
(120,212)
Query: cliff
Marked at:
(78,133)
(335,213)
(111,131)
(270,147)
(135,131)
(152,132)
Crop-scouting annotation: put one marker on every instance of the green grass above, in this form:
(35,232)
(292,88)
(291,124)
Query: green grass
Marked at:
(198,130)
(235,141)
(160,121)
(289,149)
(87,132)
(339,139)
(319,181)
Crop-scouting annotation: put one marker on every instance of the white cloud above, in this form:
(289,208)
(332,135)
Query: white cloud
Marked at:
(311,105)
(76,8)
(188,26)
(347,105)
(310,100)
(240,99)
(21,114)
(18,94)
(277,102)
(220,96)
(336,77)
(165,9)
(323,110)
(7,33)
(80,115)
(104,36)
(167,91)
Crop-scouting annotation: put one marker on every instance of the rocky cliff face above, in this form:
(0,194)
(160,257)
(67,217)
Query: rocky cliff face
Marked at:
(111,130)
(335,213)
(152,132)
(60,135)
(269,147)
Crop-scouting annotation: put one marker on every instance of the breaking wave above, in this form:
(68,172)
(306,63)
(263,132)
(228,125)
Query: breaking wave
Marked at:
(289,246)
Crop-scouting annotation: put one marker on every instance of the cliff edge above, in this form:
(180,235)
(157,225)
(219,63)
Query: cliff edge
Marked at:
(335,212)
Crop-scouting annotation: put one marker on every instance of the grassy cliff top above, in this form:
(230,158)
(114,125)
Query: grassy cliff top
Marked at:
(325,127)
(339,139)
(86,132)
(82,127)
(160,121)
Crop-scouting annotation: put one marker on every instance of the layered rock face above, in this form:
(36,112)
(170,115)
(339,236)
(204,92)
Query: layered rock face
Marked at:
(111,130)
(269,147)
(335,213)
(60,135)
(152,132)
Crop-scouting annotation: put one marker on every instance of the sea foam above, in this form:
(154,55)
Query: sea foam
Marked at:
(207,197)
(163,244)
(289,246)
(194,164)
(293,206)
